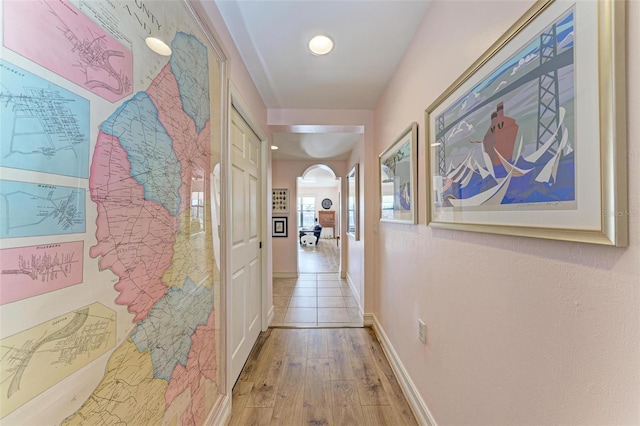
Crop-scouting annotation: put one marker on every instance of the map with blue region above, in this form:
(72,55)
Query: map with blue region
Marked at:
(149,148)
(44,127)
(32,209)
(190,66)
(170,340)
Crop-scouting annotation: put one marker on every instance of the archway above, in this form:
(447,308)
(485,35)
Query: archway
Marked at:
(319,192)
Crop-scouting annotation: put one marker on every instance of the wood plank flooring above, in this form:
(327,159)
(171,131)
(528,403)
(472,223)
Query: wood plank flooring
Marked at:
(336,376)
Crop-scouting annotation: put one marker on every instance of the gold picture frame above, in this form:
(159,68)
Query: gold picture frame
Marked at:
(398,177)
(353,208)
(557,168)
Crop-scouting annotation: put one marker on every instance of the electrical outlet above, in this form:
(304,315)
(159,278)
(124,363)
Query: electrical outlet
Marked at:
(422,331)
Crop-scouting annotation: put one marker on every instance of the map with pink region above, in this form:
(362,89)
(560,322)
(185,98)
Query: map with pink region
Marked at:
(151,154)
(135,235)
(122,286)
(69,44)
(39,269)
(194,153)
(201,363)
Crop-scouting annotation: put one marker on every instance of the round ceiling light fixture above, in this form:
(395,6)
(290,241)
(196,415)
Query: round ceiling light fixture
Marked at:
(320,45)
(158,46)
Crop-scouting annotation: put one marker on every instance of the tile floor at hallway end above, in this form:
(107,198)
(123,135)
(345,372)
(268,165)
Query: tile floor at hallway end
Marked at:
(322,376)
(314,300)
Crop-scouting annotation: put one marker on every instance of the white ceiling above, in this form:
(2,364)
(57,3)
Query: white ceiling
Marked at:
(318,178)
(272,36)
(322,143)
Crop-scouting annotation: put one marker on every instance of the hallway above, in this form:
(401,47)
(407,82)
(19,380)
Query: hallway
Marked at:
(318,377)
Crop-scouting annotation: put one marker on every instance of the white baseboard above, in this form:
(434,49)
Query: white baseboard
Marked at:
(285,275)
(352,286)
(221,412)
(270,316)
(420,410)
(367,320)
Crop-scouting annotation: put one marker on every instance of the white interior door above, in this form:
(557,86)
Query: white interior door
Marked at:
(246,277)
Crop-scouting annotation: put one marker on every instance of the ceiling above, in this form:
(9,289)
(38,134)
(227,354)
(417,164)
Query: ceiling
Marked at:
(370,38)
(315,142)
(318,177)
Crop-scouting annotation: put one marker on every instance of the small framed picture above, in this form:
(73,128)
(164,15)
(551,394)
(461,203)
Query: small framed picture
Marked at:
(280,200)
(279,227)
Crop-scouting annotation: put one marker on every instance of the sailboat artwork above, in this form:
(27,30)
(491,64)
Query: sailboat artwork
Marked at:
(509,142)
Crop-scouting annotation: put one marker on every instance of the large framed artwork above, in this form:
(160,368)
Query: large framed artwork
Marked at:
(112,276)
(352,203)
(531,139)
(398,176)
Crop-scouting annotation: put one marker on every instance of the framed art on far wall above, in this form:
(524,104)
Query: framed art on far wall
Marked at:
(279,226)
(531,139)
(398,176)
(280,200)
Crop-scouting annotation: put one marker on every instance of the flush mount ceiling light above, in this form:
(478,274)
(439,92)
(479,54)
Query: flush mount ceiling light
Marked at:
(320,45)
(274,147)
(158,46)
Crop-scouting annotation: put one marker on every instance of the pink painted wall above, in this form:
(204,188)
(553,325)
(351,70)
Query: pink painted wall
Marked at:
(520,331)
(236,69)
(357,250)
(284,175)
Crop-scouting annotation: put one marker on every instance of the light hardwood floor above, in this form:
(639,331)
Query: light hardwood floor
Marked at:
(337,376)
(322,258)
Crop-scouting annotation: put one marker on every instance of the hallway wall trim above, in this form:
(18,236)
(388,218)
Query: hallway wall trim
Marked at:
(221,413)
(367,319)
(356,293)
(270,315)
(417,404)
(285,274)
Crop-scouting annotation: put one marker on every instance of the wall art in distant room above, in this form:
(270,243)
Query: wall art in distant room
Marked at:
(280,227)
(280,200)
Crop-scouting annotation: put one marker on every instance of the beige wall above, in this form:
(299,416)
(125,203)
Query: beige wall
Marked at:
(520,331)
(357,250)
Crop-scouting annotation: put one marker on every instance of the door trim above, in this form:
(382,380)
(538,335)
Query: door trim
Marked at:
(235,101)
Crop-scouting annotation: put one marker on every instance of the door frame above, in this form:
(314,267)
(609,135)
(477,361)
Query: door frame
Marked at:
(235,101)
